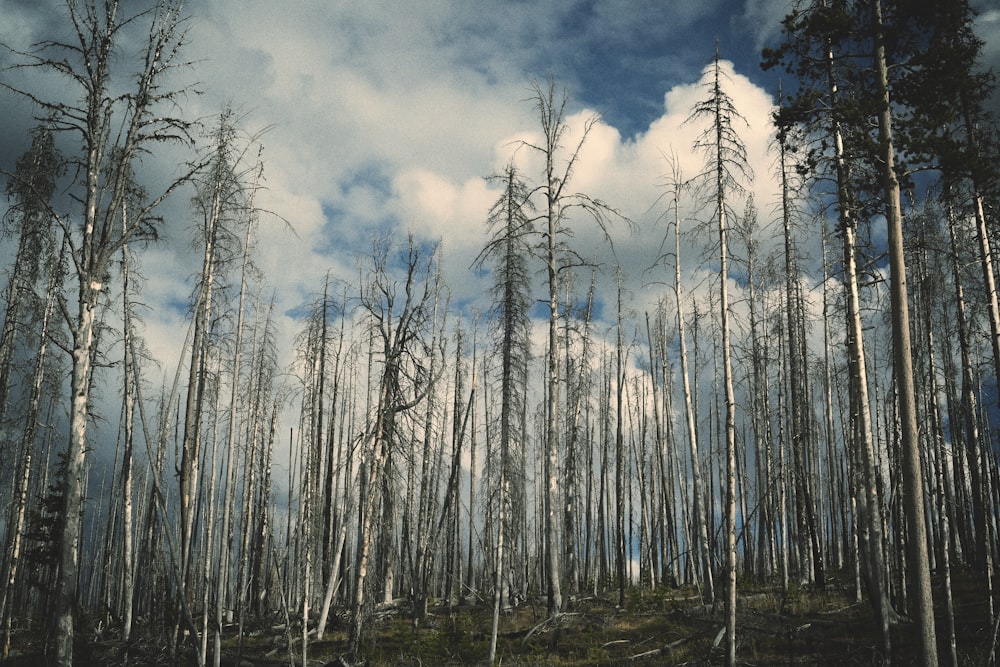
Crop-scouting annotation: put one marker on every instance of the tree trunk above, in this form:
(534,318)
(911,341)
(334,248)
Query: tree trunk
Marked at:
(870,503)
(699,518)
(24,463)
(621,557)
(913,488)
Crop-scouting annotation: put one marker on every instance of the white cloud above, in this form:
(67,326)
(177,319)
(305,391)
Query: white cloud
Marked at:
(387,115)
(383,114)
(764,19)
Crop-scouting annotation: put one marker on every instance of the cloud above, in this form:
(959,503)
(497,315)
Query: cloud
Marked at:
(987,27)
(386,117)
(763,17)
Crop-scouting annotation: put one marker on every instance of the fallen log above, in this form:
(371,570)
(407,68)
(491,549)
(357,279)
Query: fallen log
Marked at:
(658,652)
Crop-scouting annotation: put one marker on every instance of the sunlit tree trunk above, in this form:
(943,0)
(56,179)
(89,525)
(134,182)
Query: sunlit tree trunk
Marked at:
(727,160)
(698,512)
(621,557)
(913,487)
(106,159)
(553,127)
(558,171)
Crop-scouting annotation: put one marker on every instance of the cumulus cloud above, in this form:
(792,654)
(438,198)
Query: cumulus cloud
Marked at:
(379,151)
(387,117)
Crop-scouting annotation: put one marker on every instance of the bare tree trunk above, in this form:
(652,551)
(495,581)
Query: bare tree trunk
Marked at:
(575,396)
(469,571)
(197,369)
(798,381)
(726,160)
(24,462)
(936,436)
(106,170)
(69,543)
(730,435)
(498,575)
(699,517)
(224,572)
(621,556)
(870,532)
(128,559)
(903,366)
(551,468)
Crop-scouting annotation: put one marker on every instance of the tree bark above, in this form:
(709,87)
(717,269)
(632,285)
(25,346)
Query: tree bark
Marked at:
(699,517)
(913,487)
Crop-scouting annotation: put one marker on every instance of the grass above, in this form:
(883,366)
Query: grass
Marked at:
(667,626)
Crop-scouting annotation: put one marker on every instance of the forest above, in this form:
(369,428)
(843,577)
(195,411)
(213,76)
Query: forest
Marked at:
(806,416)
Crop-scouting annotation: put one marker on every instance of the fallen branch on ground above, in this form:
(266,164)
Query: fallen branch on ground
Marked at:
(657,652)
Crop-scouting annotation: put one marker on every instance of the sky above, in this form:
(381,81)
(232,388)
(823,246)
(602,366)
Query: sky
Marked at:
(382,116)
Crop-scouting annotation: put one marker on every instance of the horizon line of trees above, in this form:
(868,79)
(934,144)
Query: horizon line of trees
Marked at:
(779,428)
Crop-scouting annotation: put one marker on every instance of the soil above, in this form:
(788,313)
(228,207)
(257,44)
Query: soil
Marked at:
(667,626)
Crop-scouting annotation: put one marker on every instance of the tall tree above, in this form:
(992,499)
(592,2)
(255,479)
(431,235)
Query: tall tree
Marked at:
(913,483)
(816,34)
(727,171)
(557,201)
(220,197)
(30,219)
(798,367)
(115,130)
(129,380)
(511,225)
(24,465)
(621,550)
(399,313)
(223,573)
(947,89)
(700,517)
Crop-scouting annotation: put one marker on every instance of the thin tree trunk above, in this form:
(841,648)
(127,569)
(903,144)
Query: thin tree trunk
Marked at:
(226,541)
(128,559)
(28,445)
(797,380)
(620,547)
(699,520)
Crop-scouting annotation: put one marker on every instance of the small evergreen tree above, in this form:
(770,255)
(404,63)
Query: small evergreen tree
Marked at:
(44,526)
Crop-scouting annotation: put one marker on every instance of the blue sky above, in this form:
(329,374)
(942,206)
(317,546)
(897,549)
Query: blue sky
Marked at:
(387,116)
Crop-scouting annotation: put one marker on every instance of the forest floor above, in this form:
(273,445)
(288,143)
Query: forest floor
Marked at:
(669,626)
